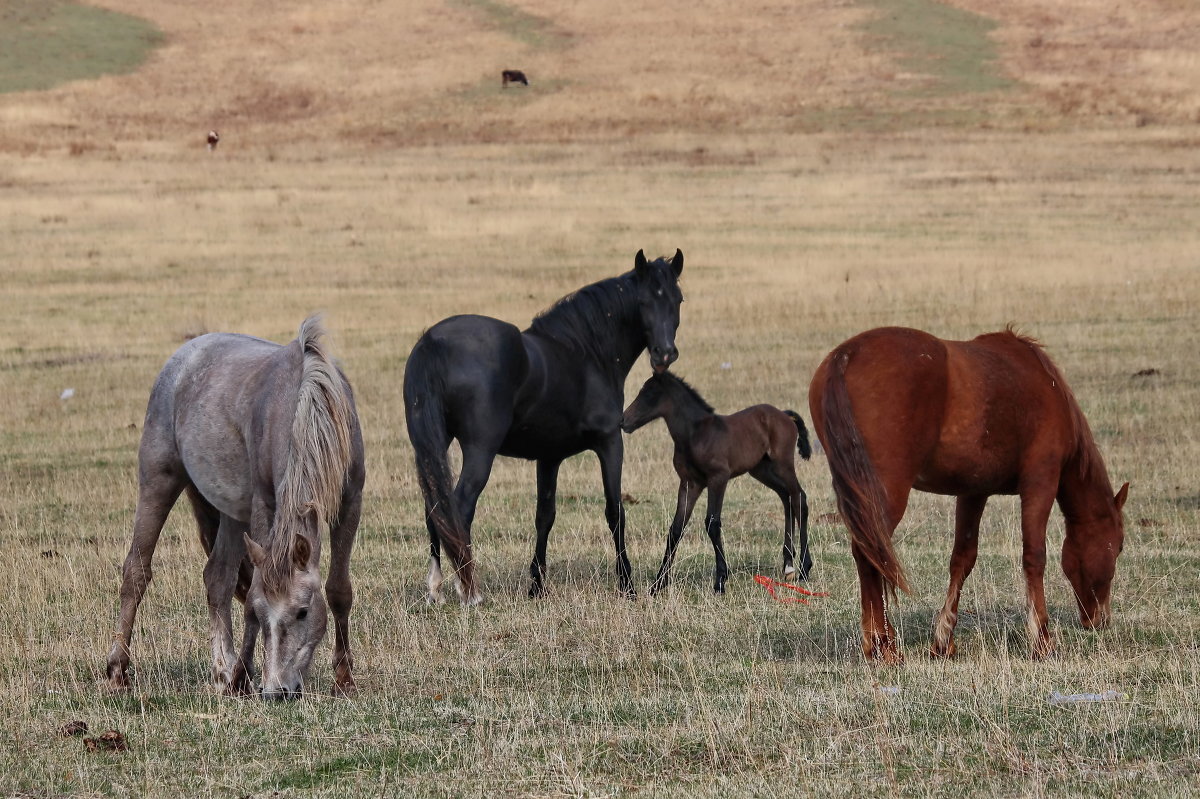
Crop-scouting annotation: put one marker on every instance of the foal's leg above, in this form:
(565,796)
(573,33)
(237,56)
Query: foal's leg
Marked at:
(547,498)
(1036,502)
(689,492)
(159,485)
(611,452)
(967,513)
(712,523)
(780,477)
(221,581)
(339,590)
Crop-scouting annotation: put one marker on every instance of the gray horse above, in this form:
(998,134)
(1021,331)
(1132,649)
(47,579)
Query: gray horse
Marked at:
(265,440)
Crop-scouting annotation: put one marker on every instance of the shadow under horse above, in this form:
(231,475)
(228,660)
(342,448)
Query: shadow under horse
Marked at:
(710,450)
(544,394)
(897,409)
(265,440)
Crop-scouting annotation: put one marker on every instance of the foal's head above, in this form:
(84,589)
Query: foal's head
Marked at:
(286,600)
(660,397)
(659,297)
(1089,559)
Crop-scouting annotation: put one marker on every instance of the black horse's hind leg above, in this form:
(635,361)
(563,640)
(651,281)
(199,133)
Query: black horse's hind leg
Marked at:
(611,453)
(712,523)
(161,480)
(476,469)
(689,492)
(547,492)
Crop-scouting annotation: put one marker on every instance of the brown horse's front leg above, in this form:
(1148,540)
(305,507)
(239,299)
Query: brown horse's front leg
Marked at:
(968,512)
(712,523)
(689,492)
(878,637)
(1035,512)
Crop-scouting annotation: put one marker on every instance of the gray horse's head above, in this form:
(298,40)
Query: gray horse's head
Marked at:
(286,600)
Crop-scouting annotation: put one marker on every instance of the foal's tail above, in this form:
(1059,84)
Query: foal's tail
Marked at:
(802,444)
(319,458)
(425,416)
(861,497)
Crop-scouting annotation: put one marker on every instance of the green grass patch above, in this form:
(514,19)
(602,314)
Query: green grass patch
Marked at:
(529,29)
(45,43)
(948,44)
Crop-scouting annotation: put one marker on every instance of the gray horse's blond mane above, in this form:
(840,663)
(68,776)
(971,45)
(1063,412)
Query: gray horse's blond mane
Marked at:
(319,455)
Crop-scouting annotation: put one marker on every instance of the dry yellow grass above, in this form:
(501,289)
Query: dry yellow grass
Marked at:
(367,170)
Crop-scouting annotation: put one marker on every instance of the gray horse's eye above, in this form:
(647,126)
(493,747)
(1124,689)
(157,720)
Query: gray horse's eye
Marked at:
(302,614)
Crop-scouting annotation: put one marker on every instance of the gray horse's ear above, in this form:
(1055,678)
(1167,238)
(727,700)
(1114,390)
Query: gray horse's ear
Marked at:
(677,262)
(258,555)
(639,261)
(302,552)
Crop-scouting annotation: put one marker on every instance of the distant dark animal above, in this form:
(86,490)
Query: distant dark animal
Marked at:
(213,138)
(512,76)
(265,440)
(544,394)
(711,449)
(898,409)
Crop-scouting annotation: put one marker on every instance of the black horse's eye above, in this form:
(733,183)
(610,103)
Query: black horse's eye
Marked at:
(302,614)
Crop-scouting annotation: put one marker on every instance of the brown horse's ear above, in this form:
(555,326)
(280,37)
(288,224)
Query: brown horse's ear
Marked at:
(677,262)
(639,262)
(1122,495)
(301,552)
(258,555)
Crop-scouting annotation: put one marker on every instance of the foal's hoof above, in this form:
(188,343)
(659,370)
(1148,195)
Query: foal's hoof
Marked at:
(117,684)
(346,689)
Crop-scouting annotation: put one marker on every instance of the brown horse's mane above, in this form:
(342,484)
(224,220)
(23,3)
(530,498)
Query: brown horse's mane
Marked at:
(1084,445)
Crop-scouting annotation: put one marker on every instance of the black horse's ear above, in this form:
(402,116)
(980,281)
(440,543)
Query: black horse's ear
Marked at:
(677,262)
(639,262)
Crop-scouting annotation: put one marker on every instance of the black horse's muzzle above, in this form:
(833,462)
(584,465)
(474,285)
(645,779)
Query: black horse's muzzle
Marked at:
(661,358)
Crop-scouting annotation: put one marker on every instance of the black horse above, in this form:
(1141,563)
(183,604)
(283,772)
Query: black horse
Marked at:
(544,394)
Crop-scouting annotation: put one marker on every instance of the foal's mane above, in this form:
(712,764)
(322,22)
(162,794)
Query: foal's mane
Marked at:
(1084,445)
(589,319)
(677,385)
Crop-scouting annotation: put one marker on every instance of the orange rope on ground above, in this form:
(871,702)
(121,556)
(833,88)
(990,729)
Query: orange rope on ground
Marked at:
(772,584)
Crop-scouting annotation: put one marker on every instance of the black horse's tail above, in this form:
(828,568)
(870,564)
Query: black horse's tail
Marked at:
(861,497)
(802,444)
(425,416)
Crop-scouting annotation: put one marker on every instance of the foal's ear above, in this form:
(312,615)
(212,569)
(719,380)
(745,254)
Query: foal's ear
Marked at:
(639,262)
(1122,495)
(258,555)
(677,262)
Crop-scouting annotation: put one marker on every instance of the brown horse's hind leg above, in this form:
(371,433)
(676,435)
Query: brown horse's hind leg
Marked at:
(689,492)
(158,488)
(878,637)
(339,591)
(968,512)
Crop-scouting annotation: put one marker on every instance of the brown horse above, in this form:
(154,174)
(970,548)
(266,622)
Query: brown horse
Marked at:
(898,409)
(711,449)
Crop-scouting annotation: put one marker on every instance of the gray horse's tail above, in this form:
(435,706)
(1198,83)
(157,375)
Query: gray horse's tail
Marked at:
(802,444)
(425,416)
(321,443)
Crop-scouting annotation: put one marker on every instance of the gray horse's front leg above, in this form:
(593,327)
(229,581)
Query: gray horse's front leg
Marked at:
(221,581)
(339,591)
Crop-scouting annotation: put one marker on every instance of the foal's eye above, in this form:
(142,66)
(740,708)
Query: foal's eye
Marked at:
(302,614)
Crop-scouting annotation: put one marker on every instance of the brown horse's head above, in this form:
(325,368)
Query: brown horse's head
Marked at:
(1089,559)
(287,602)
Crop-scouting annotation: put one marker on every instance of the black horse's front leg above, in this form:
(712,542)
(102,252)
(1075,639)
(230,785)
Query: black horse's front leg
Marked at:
(611,452)
(547,493)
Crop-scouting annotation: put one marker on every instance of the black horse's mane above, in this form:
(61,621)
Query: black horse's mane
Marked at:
(676,385)
(589,319)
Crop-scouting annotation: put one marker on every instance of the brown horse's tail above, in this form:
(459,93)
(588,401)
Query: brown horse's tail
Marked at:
(802,444)
(319,457)
(861,497)
(425,416)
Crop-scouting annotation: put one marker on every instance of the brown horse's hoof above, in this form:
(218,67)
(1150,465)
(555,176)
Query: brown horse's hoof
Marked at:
(117,684)
(1042,650)
(884,654)
(346,689)
(944,651)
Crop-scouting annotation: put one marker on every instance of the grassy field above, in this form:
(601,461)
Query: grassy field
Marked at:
(821,179)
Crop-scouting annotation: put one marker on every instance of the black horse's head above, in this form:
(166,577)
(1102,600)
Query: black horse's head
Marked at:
(658,300)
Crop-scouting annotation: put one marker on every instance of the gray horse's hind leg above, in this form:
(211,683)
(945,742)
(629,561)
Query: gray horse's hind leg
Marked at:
(339,592)
(229,673)
(159,485)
